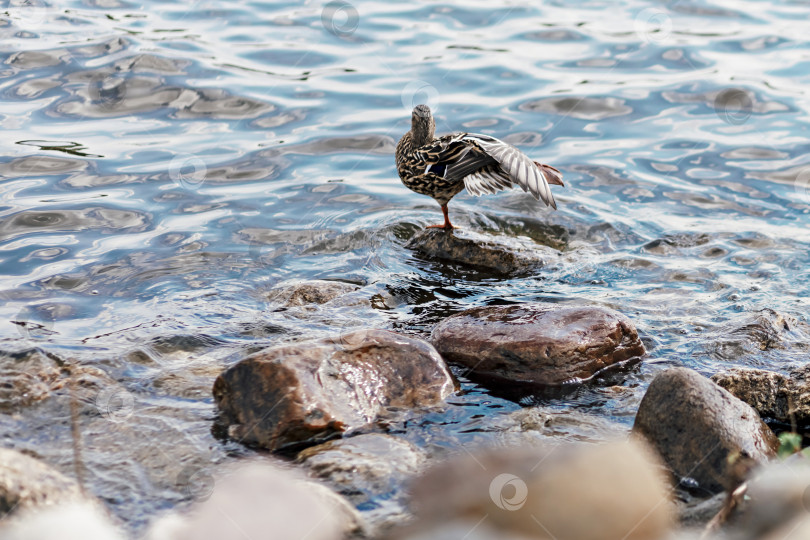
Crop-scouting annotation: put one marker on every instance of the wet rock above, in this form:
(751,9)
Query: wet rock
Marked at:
(697,426)
(311,391)
(501,255)
(613,490)
(26,483)
(303,293)
(773,395)
(261,498)
(547,344)
(370,470)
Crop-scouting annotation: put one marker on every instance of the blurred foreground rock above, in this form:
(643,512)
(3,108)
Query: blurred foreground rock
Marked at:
(700,429)
(546,344)
(773,395)
(37,502)
(263,500)
(777,503)
(501,255)
(26,483)
(370,470)
(68,521)
(610,491)
(310,391)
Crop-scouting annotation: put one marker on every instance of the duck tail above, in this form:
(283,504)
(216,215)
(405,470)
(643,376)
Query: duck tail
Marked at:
(552,175)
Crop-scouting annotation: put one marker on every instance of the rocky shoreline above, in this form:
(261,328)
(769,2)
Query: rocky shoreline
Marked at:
(699,461)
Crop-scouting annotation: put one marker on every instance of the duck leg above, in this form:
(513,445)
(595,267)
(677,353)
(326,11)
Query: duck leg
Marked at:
(447,225)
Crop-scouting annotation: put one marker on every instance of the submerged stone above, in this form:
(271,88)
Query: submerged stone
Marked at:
(304,293)
(756,336)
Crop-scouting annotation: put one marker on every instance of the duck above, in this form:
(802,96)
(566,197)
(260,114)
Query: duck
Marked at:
(442,167)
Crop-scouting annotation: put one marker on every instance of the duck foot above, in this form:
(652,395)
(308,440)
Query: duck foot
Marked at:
(446,225)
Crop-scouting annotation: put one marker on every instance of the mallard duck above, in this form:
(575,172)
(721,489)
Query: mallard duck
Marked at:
(443,167)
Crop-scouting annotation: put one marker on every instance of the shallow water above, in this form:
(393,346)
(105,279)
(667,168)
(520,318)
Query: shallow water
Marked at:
(165,164)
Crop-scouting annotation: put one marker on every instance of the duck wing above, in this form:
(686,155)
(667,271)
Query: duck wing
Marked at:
(516,166)
(488,165)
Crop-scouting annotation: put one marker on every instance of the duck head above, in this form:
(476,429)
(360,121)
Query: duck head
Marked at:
(422,125)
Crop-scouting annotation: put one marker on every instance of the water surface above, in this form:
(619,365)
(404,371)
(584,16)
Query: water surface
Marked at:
(164,164)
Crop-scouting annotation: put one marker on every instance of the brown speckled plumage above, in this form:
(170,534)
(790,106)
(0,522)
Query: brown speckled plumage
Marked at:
(442,167)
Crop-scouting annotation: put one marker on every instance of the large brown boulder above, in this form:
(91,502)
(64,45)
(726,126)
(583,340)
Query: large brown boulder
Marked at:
(547,344)
(310,391)
(609,491)
(700,429)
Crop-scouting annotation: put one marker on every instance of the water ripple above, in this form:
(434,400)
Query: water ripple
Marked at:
(173,162)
